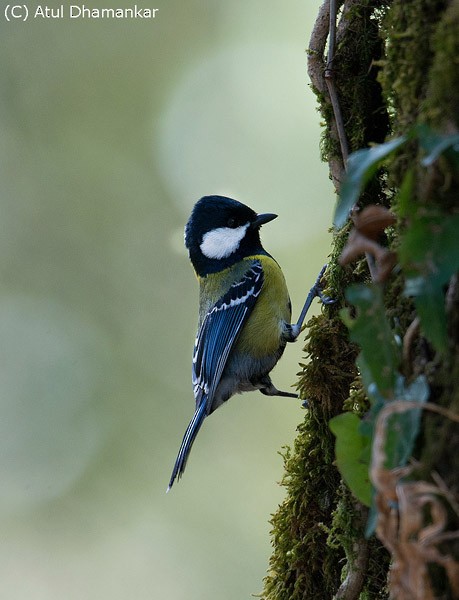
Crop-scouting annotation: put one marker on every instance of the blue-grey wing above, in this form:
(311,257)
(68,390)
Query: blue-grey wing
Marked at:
(219,331)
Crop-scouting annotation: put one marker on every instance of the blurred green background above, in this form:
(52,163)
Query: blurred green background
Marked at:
(110,131)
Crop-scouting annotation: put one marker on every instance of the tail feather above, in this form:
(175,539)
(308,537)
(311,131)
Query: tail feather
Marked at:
(187,442)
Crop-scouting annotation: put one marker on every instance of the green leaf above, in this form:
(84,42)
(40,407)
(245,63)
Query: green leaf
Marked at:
(352,455)
(435,144)
(354,440)
(431,311)
(406,206)
(429,249)
(361,166)
(403,428)
(372,519)
(379,357)
(429,255)
(402,431)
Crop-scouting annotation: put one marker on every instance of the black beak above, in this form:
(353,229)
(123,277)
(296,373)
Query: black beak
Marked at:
(262,219)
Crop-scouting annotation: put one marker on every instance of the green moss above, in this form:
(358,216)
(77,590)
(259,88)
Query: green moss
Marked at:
(315,528)
(355,69)
(356,64)
(421,80)
(357,402)
(441,107)
(349,519)
(408,29)
(303,564)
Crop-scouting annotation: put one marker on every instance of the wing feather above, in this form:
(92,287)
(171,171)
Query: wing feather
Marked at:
(219,332)
(216,337)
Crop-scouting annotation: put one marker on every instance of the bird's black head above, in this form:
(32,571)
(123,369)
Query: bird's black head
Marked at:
(222,231)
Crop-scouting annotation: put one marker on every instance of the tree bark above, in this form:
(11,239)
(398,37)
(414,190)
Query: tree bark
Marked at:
(395,66)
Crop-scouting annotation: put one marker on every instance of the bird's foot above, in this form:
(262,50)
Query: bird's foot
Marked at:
(269,389)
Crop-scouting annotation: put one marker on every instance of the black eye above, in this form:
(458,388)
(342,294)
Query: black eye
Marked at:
(231,222)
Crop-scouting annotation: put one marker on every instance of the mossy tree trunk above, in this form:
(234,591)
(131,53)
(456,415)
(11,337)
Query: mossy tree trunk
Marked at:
(396,65)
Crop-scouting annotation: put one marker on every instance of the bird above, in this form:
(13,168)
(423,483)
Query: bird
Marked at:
(244,310)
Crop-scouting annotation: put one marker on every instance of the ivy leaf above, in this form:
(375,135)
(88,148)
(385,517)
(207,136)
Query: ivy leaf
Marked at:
(379,356)
(372,520)
(429,254)
(364,163)
(430,307)
(354,438)
(435,144)
(405,203)
(352,455)
(401,433)
(361,166)
(403,428)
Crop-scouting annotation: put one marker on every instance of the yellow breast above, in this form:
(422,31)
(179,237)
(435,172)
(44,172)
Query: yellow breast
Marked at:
(262,333)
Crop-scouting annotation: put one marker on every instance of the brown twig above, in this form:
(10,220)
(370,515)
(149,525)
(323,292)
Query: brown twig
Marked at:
(352,585)
(369,225)
(316,49)
(409,338)
(317,68)
(412,519)
(330,82)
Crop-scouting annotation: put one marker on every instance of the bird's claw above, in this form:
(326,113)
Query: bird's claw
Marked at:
(318,289)
(325,299)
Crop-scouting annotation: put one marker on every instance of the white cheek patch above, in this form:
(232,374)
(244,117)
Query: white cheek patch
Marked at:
(222,242)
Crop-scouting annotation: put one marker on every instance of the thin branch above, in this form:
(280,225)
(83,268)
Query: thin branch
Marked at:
(320,74)
(352,585)
(330,82)
(316,48)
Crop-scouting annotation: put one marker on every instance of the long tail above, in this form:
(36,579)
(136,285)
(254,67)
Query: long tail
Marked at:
(188,439)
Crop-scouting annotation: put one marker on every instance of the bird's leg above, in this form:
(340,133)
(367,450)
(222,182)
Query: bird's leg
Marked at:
(269,389)
(313,292)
